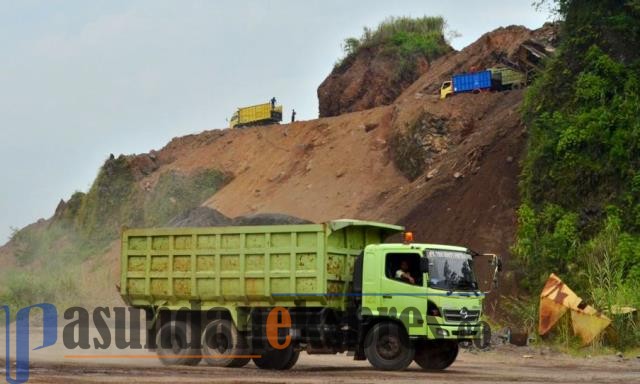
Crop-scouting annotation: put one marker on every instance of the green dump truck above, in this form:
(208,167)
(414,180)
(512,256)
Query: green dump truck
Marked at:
(503,78)
(231,294)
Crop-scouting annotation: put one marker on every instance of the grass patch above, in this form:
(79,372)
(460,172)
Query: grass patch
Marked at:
(404,40)
(51,283)
(109,204)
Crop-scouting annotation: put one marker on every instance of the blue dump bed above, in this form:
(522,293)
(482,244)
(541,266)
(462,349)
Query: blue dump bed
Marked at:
(467,82)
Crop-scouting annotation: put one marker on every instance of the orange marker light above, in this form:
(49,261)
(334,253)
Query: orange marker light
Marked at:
(408,237)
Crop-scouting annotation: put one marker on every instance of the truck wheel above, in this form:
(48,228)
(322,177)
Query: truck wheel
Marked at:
(173,340)
(436,354)
(220,338)
(278,359)
(484,341)
(387,347)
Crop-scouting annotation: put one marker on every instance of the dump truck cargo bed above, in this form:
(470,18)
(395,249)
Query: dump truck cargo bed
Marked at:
(468,82)
(256,115)
(266,265)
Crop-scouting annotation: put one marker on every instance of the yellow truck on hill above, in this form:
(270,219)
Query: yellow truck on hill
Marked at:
(261,114)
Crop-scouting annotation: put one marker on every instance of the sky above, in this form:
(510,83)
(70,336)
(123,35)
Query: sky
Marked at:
(80,80)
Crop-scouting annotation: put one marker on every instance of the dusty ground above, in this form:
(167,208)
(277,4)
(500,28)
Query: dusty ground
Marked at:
(485,367)
(506,363)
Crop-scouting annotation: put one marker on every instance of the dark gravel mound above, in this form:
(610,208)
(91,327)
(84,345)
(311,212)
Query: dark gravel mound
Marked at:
(208,217)
(200,217)
(268,219)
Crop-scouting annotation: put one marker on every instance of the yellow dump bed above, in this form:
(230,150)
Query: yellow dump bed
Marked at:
(256,115)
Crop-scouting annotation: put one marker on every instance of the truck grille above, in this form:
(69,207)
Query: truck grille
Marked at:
(458,315)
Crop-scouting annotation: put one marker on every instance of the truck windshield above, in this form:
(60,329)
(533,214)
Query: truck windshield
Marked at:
(451,270)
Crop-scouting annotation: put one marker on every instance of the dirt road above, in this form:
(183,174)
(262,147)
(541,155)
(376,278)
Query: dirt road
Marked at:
(483,367)
(505,363)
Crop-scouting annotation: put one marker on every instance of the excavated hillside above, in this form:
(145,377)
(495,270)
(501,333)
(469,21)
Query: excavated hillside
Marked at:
(497,47)
(447,169)
(367,80)
(381,64)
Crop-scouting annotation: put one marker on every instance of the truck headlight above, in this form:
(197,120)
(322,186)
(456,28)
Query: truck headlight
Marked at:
(442,332)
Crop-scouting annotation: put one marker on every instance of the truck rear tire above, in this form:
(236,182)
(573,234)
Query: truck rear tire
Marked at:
(436,355)
(173,339)
(278,359)
(220,338)
(387,347)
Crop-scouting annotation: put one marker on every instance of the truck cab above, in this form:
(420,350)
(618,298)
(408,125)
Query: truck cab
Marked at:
(233,122)
(427,294)
(446,89)
(443,279)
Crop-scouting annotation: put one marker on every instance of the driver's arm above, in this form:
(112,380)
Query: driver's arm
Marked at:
(404,276)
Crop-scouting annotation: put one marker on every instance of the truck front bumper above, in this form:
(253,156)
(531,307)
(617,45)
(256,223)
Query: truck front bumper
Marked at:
(454,331)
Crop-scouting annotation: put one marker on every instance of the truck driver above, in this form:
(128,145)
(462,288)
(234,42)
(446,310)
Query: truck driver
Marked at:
(403,273)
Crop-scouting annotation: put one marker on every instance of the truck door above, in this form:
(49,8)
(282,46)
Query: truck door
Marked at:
(446,89)
(403,290)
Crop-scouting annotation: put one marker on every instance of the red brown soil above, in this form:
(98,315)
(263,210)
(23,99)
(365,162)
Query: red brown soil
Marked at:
(366,81)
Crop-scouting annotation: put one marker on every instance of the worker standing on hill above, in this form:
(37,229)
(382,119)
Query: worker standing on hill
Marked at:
(293,115)
(273,102)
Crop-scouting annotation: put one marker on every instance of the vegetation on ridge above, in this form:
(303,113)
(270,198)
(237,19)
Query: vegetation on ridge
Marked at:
(404,39)
(580,185)
(51,253)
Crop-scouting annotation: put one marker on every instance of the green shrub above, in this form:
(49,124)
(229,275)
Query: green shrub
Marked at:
(402,38)
(108,204)
(613,261)
(22,289)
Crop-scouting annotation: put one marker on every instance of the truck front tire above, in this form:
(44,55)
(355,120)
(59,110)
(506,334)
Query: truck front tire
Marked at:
(222,343)
(174,341)
(436,354)
(388,348)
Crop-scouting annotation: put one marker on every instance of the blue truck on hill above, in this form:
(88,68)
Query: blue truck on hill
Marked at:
(490,79)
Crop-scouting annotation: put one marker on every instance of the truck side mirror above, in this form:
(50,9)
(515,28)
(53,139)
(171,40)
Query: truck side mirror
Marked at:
(496,264)
(424,265)
(487,267)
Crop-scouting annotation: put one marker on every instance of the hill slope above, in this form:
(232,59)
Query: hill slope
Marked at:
(382,63)
(447,169)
